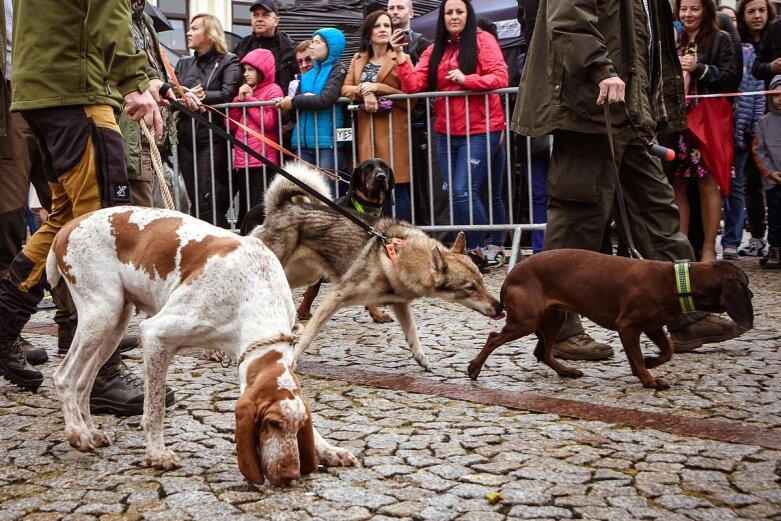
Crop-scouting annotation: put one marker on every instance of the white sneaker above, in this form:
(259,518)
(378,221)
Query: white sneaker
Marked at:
(754,248)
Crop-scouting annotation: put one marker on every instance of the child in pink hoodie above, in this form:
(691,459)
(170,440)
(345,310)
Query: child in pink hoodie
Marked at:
(259,69)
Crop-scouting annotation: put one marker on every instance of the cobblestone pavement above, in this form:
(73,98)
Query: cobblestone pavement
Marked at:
(427,455)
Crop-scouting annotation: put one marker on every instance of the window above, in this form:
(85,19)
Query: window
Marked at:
(178,15)
(241,18)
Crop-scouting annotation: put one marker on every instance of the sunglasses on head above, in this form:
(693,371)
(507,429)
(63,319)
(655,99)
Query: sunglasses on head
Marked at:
(308,59)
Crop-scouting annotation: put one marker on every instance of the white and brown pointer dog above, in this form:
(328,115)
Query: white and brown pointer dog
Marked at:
(202,287)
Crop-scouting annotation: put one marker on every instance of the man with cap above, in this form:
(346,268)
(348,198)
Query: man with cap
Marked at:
(265,35)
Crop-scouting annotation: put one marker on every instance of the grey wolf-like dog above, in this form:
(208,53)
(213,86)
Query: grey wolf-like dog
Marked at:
(312,240)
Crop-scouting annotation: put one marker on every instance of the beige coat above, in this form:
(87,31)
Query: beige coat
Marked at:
(388,83)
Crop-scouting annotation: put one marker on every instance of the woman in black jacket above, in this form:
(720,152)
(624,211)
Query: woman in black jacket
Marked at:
(212,75)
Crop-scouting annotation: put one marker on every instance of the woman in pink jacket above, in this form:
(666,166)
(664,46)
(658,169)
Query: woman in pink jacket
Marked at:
(259,67)
(469,131)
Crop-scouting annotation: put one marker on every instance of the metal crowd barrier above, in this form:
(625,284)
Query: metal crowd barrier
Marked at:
(430,194)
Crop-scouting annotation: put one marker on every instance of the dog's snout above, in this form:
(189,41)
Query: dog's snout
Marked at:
(381,174)
(289,473)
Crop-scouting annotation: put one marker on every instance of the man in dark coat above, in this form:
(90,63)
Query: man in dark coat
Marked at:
(621,53)
(265,35)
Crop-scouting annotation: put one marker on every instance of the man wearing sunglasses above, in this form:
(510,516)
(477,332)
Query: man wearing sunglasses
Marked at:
(304,61)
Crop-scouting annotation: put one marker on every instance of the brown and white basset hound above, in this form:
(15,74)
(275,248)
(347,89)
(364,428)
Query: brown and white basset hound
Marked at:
(201,287)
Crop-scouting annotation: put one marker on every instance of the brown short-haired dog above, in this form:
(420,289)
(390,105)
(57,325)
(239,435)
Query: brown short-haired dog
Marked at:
(625,295)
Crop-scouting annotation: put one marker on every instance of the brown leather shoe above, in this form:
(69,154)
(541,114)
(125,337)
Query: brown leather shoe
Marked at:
(710,330)
(581,347)
(35,355)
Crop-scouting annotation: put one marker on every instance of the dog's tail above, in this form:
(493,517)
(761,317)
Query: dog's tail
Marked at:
(281,191)
(52,270)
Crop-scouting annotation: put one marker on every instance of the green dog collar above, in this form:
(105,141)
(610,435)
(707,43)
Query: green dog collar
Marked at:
(683,286)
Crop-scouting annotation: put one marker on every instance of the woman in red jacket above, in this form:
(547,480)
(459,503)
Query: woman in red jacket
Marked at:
(470,129)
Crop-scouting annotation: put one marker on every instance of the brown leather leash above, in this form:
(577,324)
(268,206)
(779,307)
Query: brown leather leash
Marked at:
(619,192)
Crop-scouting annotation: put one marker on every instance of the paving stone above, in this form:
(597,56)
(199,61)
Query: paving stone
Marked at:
(423,456)
(534,512)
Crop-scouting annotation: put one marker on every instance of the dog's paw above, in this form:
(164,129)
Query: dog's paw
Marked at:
(422,361)
(303,315)
(474,369)
(337,457)
(379,317)
(569,372)
(656,383)
(99,439)
(86,440)
(164,459)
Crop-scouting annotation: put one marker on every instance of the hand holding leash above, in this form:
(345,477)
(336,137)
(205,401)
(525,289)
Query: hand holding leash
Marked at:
(611,90)
(140,106)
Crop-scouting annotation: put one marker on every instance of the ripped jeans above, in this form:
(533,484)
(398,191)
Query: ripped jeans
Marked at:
(482,151)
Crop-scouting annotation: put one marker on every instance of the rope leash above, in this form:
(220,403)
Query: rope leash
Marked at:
(157,166)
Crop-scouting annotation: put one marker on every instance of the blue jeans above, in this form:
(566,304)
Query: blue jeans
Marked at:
(735,204)
(402,203)
(456,173)
(539,199)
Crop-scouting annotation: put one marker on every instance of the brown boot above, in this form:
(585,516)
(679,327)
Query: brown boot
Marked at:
(581,347)
(35,355)
(710,330)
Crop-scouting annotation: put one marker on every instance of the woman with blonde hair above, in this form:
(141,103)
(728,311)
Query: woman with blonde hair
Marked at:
(212,76)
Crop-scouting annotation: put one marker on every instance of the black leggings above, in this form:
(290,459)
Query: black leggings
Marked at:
(212,201)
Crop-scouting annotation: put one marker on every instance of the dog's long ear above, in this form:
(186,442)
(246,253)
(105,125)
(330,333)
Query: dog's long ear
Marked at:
(736,299)
(460,245)
(247,439)
(391,184)
(307,454)
(357,178)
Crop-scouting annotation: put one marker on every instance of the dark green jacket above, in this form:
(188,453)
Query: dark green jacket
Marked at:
(578,43)
(5,95)
(74,52)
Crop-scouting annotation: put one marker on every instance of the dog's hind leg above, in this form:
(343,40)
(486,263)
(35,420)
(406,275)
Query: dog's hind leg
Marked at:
(407,323)
(630,338)
(511,331)
(550,326)
(95,339)
(665,344)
